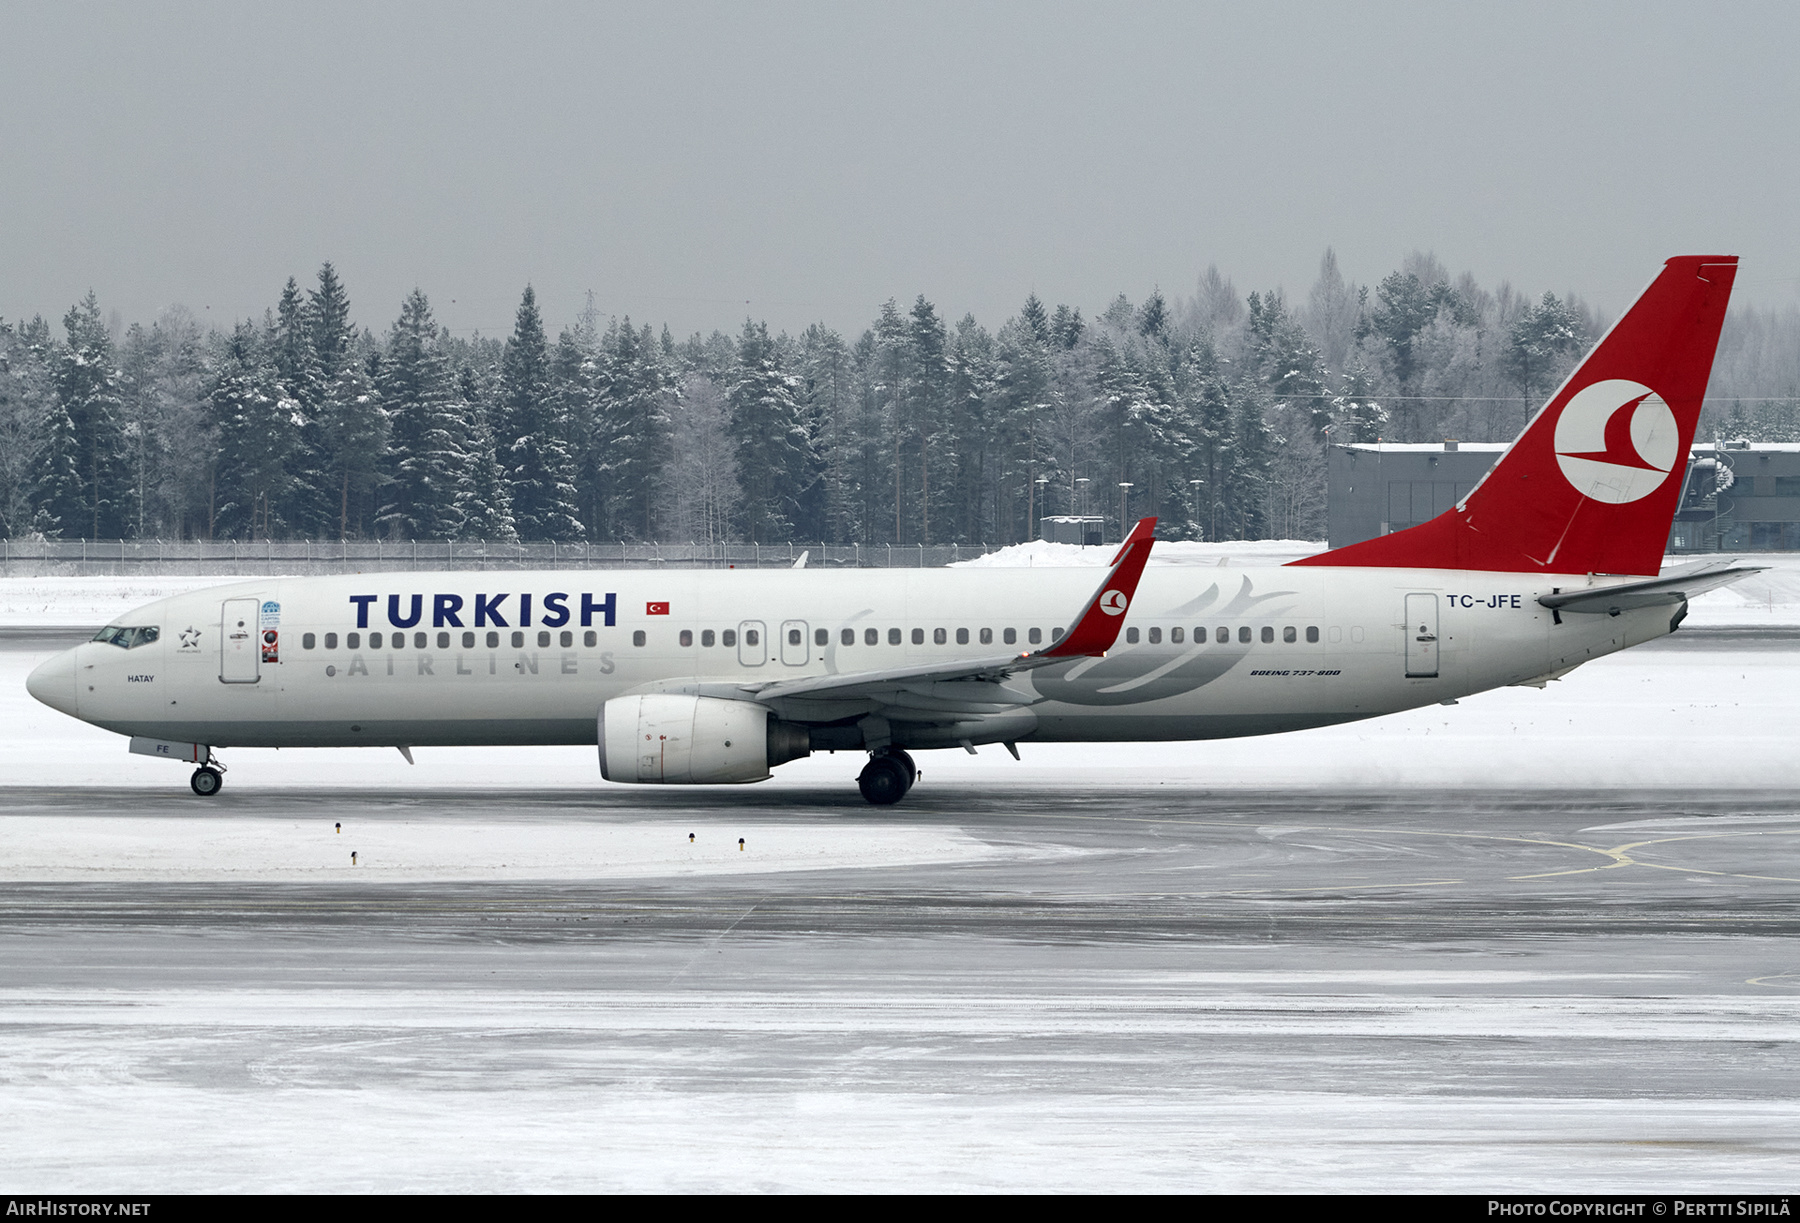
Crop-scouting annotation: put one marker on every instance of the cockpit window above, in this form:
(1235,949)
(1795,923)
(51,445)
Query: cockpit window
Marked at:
(128,637)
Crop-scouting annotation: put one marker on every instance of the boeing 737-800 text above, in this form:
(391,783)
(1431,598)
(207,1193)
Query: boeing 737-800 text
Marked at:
(710,676)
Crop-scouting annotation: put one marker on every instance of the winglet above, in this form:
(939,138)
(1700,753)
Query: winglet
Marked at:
(1098,625)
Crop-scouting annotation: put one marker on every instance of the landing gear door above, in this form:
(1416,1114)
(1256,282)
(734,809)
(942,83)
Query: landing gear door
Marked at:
(1421,636)
(239,647)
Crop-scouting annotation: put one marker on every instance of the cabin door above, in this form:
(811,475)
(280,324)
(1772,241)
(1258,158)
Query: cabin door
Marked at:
(1421,636)
(239,654)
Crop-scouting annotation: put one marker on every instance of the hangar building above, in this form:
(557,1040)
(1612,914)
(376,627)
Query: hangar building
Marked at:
(1738,496)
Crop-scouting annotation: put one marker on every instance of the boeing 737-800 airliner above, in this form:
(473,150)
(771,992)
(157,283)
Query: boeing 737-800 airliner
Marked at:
(711,676)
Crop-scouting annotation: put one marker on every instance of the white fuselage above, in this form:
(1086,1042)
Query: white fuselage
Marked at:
(1303,646)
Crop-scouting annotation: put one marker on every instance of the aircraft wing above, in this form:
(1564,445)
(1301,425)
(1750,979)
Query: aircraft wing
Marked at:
(1670,588)
(961,685)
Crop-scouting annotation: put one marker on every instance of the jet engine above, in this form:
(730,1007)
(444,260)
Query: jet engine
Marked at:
(668,739)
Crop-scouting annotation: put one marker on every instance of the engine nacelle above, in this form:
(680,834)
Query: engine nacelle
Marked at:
(668,739)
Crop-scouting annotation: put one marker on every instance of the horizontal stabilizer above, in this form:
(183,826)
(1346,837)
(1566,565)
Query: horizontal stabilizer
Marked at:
(1673,587)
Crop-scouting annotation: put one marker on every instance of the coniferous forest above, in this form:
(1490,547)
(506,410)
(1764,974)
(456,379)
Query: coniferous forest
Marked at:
(1211,411)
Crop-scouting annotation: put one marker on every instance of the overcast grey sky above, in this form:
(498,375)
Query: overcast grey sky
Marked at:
(696,162)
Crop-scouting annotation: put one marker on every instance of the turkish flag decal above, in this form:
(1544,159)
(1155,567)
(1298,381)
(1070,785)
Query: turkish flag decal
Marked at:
(656,609)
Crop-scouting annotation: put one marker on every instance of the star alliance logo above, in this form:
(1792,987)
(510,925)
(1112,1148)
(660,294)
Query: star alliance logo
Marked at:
(190,638)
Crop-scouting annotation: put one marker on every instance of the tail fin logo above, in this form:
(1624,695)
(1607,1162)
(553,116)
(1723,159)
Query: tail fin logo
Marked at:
(1616,441)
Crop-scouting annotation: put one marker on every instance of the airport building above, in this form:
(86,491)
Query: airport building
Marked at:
(1738,496)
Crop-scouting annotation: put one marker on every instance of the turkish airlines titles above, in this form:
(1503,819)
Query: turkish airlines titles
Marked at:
(448,610)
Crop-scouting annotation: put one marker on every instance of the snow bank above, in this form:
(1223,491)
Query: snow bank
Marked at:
(197,847)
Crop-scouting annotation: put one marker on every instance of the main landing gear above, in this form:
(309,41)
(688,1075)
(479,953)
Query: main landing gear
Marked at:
(206,781)
(887,777)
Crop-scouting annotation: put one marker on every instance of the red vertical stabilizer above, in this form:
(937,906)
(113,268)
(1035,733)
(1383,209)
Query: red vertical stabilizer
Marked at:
(1592,484)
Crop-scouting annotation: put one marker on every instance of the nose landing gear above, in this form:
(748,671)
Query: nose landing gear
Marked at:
(206,781)
(887,777)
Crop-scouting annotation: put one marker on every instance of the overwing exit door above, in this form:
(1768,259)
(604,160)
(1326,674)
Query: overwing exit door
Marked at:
(794,649)
(1421,636)
(239,658)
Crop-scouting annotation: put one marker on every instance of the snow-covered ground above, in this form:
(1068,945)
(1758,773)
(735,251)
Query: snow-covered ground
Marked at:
(313,848)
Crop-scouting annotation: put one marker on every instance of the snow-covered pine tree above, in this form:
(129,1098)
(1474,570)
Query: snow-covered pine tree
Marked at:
(427,468)
(352,429)
(773,447)
(256,425)
(483,502)
(27,404)
(535,447)
(633,428)
(84,488)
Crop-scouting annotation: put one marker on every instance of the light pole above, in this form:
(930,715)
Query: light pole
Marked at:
(1083,483)
(1124,491)
(1195,485)
(1042,489)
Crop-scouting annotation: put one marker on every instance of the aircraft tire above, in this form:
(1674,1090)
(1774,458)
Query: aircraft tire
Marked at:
(883,781)
(906,762)
(206,782)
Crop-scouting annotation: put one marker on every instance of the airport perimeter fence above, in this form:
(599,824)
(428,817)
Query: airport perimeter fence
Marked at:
(227,558)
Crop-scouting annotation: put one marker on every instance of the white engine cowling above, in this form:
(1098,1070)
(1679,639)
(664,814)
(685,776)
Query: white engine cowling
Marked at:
(668,739)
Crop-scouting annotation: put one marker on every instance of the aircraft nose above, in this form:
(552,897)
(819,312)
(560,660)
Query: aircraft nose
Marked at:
(53,683)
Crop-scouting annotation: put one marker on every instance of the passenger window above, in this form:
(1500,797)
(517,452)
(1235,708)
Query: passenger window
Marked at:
(1312,633)
(752,637)
(566,639)
(308,641)
(1222,635)
(1131,635)
(468,641)
(706,638)
(794,637)
(962,636)
(1335,634)
(1356,634)
(543,639)
(443,641)
(939,637)
(374,641)
(493,640)
(1243,634)
(893,636)
(637,637)
(1034,636)
(1010,636)
(728,638)
(871,636)
(331,641)
(591,638)
(848,636)
(1155,636)
(918,636)
(987,636)
(518,641)
(1056,634)
(687,637)
(419,640)
(1268,633)
(821,636)
(1288,635)
(1176,635)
